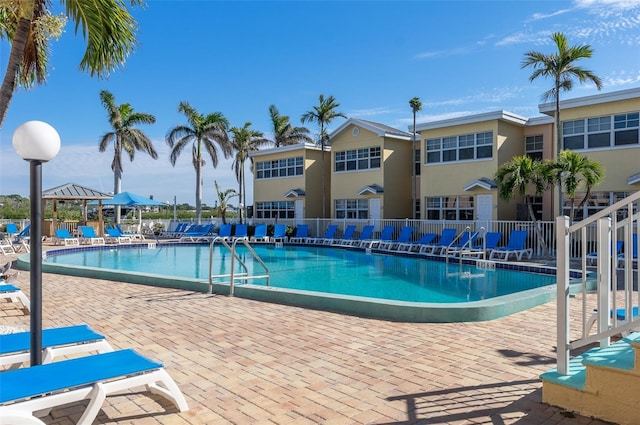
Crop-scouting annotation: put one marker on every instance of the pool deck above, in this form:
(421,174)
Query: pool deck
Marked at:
(240,361)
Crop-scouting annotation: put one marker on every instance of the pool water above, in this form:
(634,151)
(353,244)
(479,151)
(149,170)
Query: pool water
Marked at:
(320,269)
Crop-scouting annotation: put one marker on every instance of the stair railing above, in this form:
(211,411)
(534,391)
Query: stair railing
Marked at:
(612,293)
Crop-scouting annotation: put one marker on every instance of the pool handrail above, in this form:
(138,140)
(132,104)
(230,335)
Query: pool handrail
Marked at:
(234,256)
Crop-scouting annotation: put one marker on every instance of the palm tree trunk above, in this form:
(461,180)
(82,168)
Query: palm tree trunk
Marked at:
(15,57)
(244,191)
(413,168)
(198,191)
(324,184)
(117,188)
(536,228)
(241,194)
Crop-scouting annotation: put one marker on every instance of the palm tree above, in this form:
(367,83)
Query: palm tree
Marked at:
(416,106)
(520,175)
(323,114)
(283,132)
(124,136)
(561,66)
(573,170)
(204,132)
(107,26)
(223,201)
(243,141)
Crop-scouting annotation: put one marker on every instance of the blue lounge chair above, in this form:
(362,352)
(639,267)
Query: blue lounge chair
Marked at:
(115,236)
(11,292)
(133,235)
(347,236)
(464,243)
(414,246)
(89,236)
(327,238)
(70,340)
(446,238)
(11,229)
(199,233)
(240,232)
(385,235)
(621,316)
(28,390)
(404,237)
(302,233)
(592,257)
(634,251)
(489,242)
(363,238)
(259,234)
(63,237)
(516,246)
(279,233)
(224,232)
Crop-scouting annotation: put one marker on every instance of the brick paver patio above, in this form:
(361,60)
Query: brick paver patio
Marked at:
(239,361)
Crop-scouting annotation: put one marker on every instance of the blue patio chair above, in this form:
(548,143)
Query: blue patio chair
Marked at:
(592,257)
(385,235)
(115,236)
(365,236)
(302,233)
(414,246)
(11,229)
(14,294)
(260,234)
(327,238)
(465,242)
(240,232)
(29,390)
(489,242)
(90,237)
(634,251)
(446,238)
(69,340)
(404,237)
(347,236)
(199,233)
(516,246)
(63,237)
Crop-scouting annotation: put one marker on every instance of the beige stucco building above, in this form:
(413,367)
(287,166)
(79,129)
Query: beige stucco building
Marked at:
(370,166)
(287,181)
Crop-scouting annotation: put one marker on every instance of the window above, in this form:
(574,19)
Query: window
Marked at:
(360,159)
(352,208)
(276,209)
(597,202)
(286,167)
(533,146)
(601,132)
(449,207)
(459,148)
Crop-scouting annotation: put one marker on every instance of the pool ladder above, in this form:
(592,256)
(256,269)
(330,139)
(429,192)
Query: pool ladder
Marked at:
(233,276)
(467,249)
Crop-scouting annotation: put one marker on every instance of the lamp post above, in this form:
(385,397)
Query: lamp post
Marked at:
(36,142)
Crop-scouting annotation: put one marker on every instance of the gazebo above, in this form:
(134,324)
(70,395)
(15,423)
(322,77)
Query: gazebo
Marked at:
(73,192)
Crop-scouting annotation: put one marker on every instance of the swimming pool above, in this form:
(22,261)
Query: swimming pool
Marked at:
(322,269)
(349,281)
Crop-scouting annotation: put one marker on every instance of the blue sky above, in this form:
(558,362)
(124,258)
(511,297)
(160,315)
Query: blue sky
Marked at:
(239,57)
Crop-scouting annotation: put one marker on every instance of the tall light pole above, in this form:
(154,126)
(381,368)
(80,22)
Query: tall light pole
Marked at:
(36,142)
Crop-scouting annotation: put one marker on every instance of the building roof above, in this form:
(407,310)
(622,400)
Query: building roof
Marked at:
(288,148)
(483,182)
(377,128)
(295,193)
(615,96)
(373,189)
(501,115)
(74,191)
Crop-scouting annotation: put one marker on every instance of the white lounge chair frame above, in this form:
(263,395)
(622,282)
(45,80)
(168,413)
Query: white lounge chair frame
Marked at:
(13,293)
(92,385)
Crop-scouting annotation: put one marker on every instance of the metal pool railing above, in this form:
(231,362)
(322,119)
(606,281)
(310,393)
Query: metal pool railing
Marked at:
(233,276)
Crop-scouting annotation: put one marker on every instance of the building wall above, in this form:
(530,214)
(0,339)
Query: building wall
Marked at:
(397,167)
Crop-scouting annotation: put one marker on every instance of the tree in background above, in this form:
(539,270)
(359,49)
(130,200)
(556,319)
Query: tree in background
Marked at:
(107,26)
(416,106)
(574,171)
(283,132)
(519,176)
(323,114)
(124,136)
(223,201)
(244,140)
(204,132)
(561,67)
